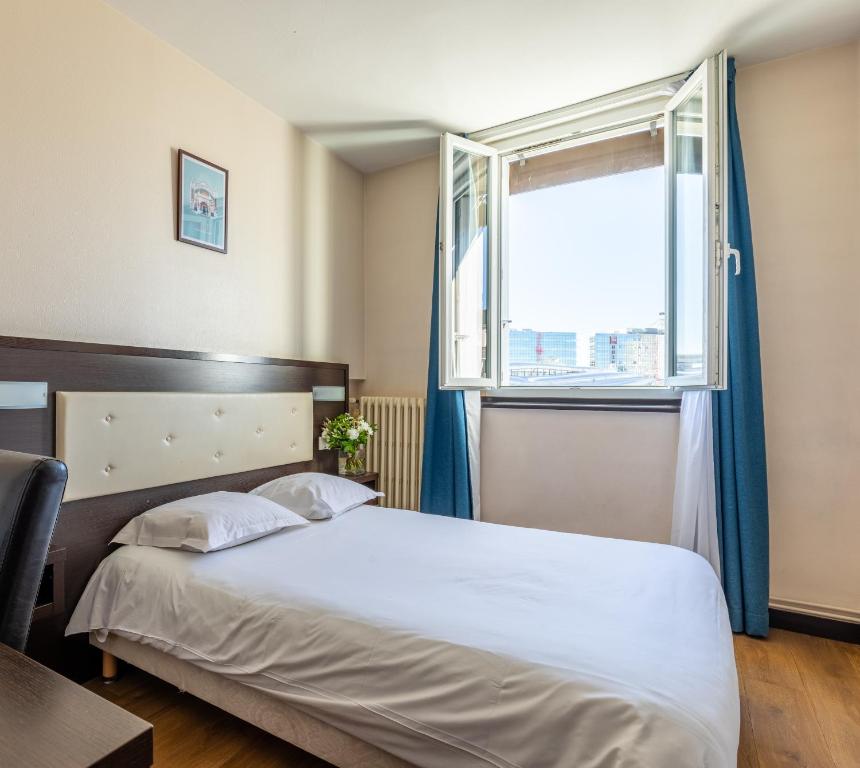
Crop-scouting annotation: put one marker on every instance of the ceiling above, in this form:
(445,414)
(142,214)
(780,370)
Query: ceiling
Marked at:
(378,80)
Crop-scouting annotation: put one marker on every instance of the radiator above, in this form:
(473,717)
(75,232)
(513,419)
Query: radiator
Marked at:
(395,451)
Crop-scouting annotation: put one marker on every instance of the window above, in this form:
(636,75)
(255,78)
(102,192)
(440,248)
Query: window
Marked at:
(587,253)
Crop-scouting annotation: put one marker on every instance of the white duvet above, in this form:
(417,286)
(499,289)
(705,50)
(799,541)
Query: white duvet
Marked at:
(452,643)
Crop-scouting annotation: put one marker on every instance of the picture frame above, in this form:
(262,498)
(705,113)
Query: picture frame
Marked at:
(201,202)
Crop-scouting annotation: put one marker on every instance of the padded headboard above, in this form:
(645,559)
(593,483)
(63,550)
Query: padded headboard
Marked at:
(125,441)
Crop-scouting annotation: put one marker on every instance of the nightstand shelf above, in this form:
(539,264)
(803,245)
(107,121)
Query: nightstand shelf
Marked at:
(370,479)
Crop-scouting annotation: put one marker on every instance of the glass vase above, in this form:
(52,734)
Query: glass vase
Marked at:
(351,464)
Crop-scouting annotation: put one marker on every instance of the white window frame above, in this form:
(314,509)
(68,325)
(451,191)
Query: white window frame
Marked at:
(589,121)
(710,76)
(447,376)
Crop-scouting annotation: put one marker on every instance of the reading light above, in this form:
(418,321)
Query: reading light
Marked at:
(330,394)
(23,395)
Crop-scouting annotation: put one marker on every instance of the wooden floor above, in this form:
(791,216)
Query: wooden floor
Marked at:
(800,708)
(800,702)
(192,734)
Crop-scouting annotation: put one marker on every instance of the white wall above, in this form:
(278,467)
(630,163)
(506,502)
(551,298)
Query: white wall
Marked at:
(612,474)
(93,109)
(800,126)
(601,473)
(399,236)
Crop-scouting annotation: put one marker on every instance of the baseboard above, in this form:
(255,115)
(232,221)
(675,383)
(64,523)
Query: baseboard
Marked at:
(821,623)
(816,609)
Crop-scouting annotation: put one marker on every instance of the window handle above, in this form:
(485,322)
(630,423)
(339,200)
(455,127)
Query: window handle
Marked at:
(737,254)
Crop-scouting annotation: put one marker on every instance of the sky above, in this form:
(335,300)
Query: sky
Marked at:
(569,244)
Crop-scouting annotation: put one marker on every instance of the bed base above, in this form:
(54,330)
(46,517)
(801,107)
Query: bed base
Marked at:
(253,706)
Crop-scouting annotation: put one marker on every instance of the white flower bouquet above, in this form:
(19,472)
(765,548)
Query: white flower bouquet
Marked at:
(348,434)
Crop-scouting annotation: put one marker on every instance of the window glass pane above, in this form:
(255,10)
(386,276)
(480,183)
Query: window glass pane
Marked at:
(470,267)
(690,237)
(585,277)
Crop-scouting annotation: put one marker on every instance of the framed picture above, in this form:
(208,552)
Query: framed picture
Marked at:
(201,202)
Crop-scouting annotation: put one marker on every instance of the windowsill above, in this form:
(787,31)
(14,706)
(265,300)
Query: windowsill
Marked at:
(638,400)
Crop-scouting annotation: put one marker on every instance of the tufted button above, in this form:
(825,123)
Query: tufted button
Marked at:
(109,418)
(168,439)
(293,446)
(108,469)
(218,455)
(219,413)
(294,411)
(259,430)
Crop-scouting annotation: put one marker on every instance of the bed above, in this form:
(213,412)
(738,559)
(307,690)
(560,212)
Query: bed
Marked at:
(444,643)
(383,638)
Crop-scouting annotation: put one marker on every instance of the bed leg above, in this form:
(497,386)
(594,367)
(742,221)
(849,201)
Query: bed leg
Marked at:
(110,670)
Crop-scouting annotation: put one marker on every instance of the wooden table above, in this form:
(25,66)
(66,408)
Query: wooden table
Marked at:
(47,721)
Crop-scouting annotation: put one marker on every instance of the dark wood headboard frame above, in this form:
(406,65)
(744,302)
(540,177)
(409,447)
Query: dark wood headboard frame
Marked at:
(85,527)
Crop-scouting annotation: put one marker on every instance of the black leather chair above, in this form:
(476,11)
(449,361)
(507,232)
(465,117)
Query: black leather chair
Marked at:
(31,489)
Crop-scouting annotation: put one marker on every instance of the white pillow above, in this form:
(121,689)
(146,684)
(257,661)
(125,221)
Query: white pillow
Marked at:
(209,522)
(317,496)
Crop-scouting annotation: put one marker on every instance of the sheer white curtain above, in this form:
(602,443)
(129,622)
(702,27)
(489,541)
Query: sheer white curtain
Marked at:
(472,399)
(694,512)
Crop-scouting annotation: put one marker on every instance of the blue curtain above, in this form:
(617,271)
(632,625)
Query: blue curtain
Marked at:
(445,482)
(739,450)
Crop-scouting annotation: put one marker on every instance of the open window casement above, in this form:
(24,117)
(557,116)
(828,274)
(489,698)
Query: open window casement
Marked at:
(696,234)
(468,261)
(475,215)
